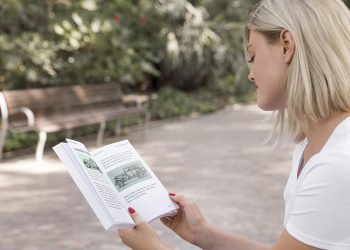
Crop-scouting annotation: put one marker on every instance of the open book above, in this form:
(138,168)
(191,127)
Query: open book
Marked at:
(113,178)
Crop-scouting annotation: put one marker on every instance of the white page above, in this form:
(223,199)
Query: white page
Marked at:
(134,180)
(105,190)
(83,186)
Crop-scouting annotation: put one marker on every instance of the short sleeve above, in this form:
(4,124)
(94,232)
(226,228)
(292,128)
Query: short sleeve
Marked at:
(320,216)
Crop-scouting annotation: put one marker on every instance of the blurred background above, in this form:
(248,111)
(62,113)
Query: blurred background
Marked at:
(186,55)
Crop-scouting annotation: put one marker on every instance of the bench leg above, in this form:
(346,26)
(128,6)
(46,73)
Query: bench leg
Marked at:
(141,124)
(100,134)
(40,146)
(117,128)
(69,133)
(147,120)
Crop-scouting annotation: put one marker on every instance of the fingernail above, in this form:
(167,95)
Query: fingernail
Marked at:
(172,194)
(131,210)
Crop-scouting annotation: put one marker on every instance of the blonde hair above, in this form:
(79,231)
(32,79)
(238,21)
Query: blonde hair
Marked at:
(318,83)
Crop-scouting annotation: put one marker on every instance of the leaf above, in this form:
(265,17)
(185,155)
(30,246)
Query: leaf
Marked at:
(149,68)
(89,5)
(58,29)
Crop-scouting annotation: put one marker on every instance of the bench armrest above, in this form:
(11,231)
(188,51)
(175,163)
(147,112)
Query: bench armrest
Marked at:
(138,100)
(28,113)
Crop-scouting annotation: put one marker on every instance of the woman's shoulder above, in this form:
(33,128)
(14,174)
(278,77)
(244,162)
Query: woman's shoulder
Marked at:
(335,157)
(329,165)
(338,145)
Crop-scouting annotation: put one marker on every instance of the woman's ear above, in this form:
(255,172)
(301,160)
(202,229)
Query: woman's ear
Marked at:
(287,45)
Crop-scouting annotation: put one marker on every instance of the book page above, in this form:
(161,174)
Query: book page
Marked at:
(134,180)
(64,153)
(115,206)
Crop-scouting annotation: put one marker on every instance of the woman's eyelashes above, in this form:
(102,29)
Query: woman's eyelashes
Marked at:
(251,60)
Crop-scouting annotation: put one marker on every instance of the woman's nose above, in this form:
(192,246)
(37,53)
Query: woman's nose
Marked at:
(251,77)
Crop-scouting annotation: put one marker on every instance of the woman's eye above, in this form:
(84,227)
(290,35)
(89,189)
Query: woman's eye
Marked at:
(251,59)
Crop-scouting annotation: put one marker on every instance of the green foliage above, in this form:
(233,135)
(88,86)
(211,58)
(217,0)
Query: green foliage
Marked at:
(74,42)
(190,45)
(140,44)
(226,87)
(20,140)
(170,102)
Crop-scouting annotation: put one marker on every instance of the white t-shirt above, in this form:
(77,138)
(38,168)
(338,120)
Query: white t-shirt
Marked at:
(317,204)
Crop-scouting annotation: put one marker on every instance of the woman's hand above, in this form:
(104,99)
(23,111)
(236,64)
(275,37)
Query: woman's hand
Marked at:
(189,222)
(142,236)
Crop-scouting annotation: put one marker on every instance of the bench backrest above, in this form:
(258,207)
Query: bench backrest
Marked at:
(63,98)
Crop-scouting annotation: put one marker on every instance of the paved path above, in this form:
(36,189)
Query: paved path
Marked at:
(218,160)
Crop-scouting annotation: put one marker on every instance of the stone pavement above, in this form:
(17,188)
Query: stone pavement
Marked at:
(218,160)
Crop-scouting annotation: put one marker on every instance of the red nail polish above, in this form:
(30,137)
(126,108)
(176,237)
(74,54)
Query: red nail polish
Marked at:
(172,194)
(131,210)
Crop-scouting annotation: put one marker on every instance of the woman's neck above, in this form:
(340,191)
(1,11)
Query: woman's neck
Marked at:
(318,133)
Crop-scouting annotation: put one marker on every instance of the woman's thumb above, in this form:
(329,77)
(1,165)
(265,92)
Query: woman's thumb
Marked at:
(179,199)
(135,216)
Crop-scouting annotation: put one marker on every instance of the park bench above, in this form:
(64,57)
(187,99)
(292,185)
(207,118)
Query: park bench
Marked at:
(54,109)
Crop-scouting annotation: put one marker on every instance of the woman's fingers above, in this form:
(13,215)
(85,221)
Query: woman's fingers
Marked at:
(168,220)
(135,216)
(141,235)
(179,199)
(124,233)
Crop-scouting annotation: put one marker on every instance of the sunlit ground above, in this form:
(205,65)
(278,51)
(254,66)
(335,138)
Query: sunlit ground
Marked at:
(219,160)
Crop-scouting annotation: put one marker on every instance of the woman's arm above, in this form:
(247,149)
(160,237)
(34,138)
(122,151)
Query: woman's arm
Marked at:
(190,224)
(214,238)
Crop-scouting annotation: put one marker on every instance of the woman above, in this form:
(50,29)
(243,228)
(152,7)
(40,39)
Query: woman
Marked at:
(299,56)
